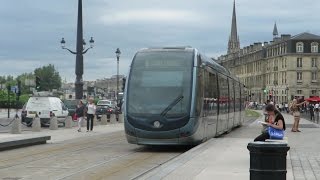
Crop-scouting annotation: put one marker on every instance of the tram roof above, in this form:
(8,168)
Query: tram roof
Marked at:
(168,48)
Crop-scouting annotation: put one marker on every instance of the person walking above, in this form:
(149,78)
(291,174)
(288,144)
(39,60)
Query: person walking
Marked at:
(295,108)
(80,112)
(91,111)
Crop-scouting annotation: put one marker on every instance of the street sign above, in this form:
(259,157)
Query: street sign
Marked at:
(14,89)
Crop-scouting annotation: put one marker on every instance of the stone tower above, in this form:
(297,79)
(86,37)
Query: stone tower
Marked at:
(275,30)
(233,44)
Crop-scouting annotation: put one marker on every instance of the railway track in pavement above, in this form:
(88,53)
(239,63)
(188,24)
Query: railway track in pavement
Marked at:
(106,156)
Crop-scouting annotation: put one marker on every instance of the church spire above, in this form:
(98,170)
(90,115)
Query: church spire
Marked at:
(275,30)
(233,44)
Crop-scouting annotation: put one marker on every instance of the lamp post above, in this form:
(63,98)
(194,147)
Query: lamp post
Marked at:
(79,53)
(118,52)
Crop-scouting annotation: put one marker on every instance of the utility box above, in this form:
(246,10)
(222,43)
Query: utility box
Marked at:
(268,160)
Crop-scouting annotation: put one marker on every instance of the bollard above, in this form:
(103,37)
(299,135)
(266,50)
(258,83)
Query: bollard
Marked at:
(113,118)
(268,160)
(95,120)
(121,118)
(104,120)
(36,124)
(108,117)
(16,126)
(53,123)
(68,123)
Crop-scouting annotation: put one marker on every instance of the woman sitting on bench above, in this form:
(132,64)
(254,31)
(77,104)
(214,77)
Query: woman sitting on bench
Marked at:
(275,120)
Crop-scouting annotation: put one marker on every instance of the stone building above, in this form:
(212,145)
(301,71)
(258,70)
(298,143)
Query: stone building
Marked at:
(280,70)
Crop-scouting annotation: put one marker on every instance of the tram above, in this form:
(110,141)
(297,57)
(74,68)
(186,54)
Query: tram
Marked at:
(178,96)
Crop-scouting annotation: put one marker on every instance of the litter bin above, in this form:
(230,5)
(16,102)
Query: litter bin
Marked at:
(268,160)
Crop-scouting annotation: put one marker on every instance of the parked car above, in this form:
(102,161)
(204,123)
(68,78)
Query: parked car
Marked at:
(45,107)
(104,107)
(71,104)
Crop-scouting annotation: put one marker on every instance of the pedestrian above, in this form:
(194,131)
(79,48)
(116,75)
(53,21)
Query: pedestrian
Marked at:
(276,121)
(80,112)
(311,110)
(295,109)
(91,111)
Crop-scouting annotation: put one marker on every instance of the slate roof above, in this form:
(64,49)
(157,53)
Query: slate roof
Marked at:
(305,36)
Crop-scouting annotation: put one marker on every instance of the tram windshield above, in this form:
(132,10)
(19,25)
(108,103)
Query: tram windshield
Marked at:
(157,78)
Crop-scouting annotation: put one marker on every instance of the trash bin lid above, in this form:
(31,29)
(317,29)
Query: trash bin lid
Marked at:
(268,144)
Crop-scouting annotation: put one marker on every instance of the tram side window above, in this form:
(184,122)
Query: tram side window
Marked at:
(211,94)
(200,87)
(237,96)
(224,94)
(231,95)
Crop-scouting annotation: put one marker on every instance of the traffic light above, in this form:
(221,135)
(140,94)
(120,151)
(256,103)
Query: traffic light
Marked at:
(38,84)
(123,83)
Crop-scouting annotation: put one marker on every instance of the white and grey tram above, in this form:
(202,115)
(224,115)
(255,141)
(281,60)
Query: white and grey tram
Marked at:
(177,96)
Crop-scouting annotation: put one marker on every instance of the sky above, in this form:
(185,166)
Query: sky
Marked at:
(31,30)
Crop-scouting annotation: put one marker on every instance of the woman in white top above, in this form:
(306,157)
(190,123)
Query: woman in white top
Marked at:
(91,111)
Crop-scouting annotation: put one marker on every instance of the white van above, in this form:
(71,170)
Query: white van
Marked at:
(45,107)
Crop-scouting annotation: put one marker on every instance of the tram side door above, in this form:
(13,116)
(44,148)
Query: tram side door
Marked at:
(231,104)
(223,104)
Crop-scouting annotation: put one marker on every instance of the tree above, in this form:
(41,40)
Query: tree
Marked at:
(49,78)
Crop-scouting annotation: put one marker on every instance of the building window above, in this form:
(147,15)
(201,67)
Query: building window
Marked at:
(299,47)
(314,76)
(314,47)
(313,62)
(299,91)
(313,91)
(299,62)
(299,76)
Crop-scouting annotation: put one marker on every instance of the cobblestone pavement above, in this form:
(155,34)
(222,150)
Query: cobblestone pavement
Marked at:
(304,149)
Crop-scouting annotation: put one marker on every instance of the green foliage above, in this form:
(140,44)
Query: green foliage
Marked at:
(251,113)
(49,78)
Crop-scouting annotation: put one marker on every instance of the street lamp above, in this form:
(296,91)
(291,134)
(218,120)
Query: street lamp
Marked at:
(118,52)
(79,53)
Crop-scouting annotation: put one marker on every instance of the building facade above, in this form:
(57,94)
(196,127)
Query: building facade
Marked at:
(285,68)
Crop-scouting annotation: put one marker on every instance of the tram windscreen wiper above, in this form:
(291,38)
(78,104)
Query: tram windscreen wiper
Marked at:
(171,105)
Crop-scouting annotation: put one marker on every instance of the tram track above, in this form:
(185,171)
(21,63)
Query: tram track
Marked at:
(106,156)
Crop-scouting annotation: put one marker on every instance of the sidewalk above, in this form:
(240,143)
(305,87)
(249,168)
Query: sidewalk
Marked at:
(227,157)
(63,134)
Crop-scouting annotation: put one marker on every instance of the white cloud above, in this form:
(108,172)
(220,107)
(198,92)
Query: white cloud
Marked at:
(151,16)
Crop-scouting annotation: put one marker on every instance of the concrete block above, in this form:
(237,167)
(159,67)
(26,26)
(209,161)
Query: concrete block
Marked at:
(104,120)
(16,126)
(53,123)
(113,119)
(36,124)
(95,120)
(121,118)
(84,122)
(68,123)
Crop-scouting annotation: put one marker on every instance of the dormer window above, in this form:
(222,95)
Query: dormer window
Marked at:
(299,47)
(314,47)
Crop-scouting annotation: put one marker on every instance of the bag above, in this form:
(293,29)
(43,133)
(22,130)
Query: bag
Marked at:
(275,133)
(74,117)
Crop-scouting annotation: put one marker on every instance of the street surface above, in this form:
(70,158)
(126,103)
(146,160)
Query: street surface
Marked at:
(106,156)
